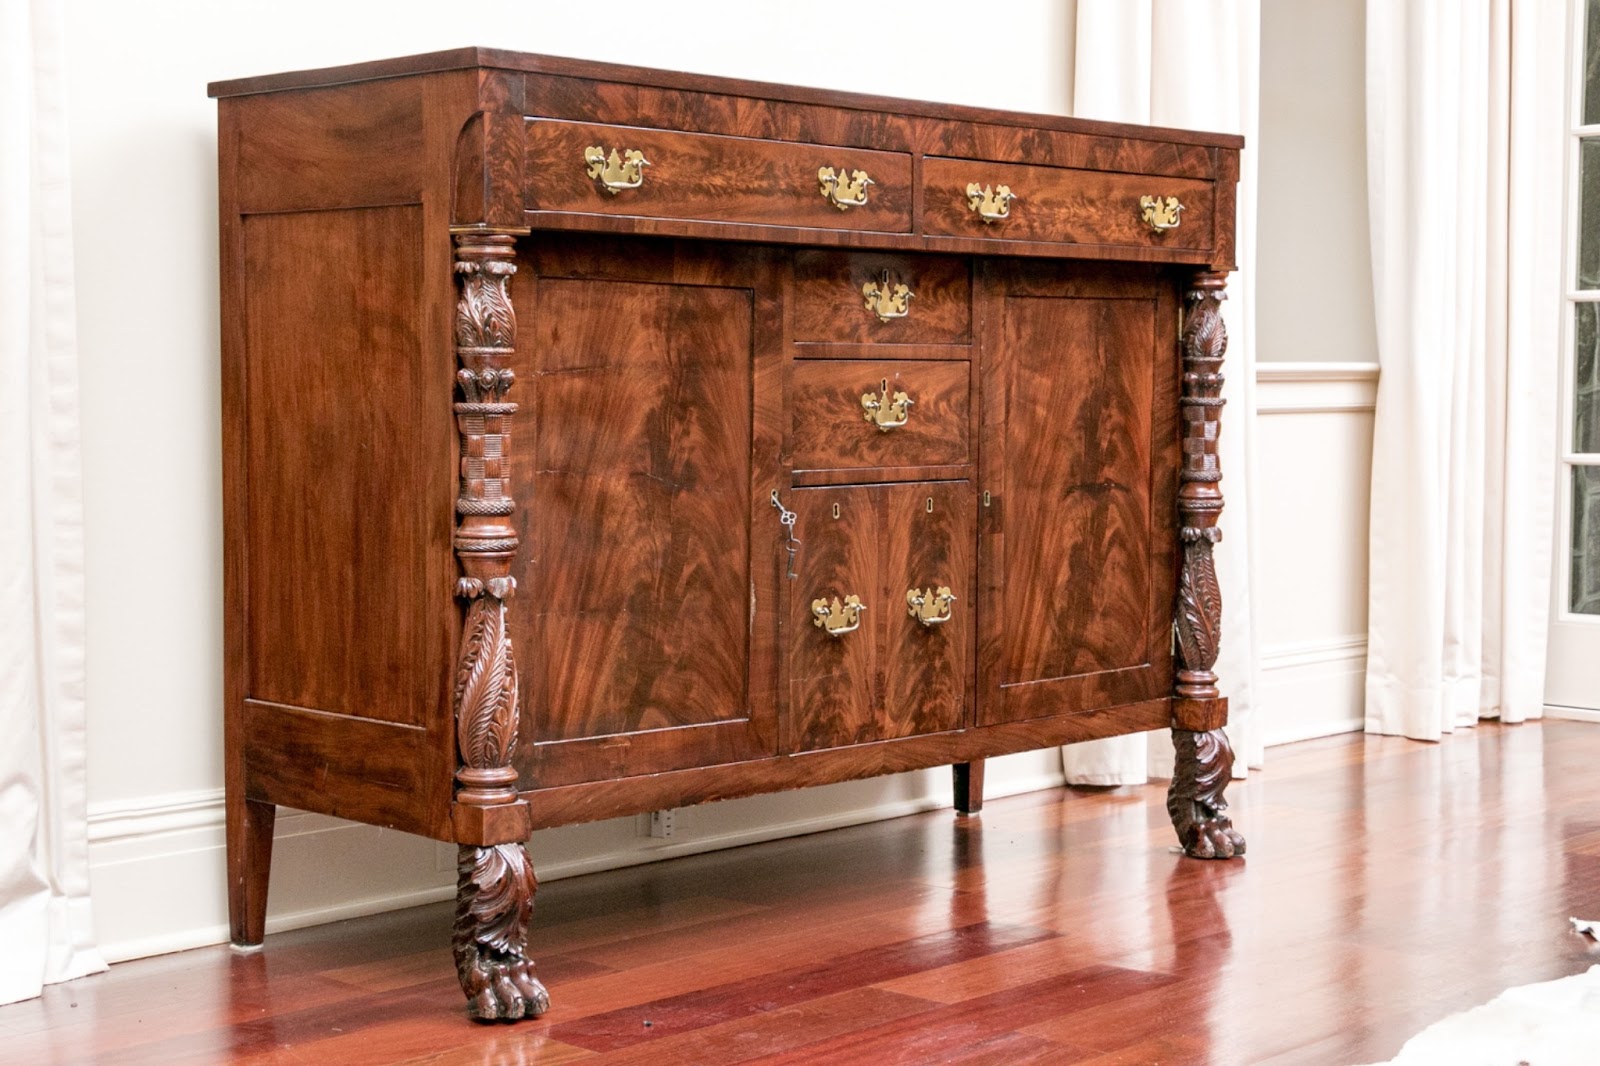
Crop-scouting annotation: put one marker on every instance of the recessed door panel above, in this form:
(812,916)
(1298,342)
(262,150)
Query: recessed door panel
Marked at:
(904,552)
(835,609)
(1080,386)
(637,644)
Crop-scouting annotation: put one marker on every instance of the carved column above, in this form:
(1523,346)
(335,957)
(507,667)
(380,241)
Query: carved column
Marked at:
(1204,757)
(495,882)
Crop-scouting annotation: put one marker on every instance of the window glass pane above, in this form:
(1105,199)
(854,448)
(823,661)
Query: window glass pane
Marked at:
(1589,214)
(1586,378)
(1591,64)
(1584,594)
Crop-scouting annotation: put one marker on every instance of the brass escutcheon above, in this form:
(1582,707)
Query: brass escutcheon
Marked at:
(837,618)
(991,205)
(1161,213)
(884,411)
(930,607)
(620,170)
(887,301)
(844,192)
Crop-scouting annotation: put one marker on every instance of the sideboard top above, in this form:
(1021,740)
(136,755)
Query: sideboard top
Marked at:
(500,59)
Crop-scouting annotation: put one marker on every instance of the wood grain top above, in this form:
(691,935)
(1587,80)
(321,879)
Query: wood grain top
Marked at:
(494,58)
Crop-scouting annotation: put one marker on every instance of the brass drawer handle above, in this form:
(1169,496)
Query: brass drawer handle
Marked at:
(620,170)
(930,607)
(887,301)
(837,618)
(885,411)
(844,192)
(991,205)
(1161,213)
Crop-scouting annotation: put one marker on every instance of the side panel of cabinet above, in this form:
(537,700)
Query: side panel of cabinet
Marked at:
(649,445)
(893,676)
(1080,381)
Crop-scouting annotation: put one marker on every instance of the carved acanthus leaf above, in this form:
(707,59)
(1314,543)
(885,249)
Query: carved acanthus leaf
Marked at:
(494,905)
(1199,607)
(484,316)
(486,687)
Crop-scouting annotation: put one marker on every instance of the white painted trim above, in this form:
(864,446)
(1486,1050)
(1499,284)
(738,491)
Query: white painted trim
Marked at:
(1316,388)
(1571,714)
(1312,688)
(1292,371)
(153,815)
(167,839)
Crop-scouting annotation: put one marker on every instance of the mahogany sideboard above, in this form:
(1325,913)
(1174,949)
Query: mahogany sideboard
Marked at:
(600,440)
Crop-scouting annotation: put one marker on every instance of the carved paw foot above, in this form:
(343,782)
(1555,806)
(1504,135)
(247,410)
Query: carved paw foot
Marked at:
(1204,766)
(494,902)
(1212,838)
(504,990)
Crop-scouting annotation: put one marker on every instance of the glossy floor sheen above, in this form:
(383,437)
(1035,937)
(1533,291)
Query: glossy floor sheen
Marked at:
(1389,883)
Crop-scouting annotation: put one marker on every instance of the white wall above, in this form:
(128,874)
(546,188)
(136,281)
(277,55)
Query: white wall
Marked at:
(1313,256)
(1318,351)
(145,215)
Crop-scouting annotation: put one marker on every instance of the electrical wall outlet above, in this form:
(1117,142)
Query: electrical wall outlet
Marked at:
(662,824)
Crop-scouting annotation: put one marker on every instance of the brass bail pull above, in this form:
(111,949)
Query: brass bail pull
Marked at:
(931,607)
(885,410)
(1160,213)
(622,169)
(838,618)
(990,203)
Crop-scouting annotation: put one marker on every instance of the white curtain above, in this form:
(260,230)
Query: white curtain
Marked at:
(1193,64)
(45,929)
(1465,135)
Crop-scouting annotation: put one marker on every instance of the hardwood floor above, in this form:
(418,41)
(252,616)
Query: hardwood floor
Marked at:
(1388,883)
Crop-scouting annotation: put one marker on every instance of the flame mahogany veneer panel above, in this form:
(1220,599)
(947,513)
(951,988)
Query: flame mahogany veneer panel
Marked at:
(638,463)
(714,178)
(1082,445)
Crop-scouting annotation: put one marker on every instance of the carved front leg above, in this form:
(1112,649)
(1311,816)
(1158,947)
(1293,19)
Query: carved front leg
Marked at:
(494,903)
(1204,760)
(495,887)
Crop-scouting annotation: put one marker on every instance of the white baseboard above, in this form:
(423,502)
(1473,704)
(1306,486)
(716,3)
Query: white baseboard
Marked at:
(1571,714)
(1313,688)
(158,869)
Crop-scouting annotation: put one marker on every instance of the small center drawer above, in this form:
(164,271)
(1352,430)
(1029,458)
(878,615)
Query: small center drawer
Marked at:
(835,430)
(713,178)
(1061,205)
(879,298)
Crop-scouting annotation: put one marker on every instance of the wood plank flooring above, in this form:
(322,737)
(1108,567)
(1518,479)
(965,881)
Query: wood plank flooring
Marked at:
(1388,883)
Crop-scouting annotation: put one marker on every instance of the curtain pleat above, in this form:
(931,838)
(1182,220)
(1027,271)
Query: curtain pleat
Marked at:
(46,932)
(1464,143)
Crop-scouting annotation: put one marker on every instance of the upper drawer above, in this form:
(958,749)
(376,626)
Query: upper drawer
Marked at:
(1059,205)
(712,178)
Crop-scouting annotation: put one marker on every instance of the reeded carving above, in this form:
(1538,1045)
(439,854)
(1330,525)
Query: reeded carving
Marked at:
(494,890)
(494,903)
(1195,801)
(1204,758)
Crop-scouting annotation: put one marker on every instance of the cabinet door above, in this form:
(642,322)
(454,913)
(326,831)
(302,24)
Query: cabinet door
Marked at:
(1079,460)
(880,615)
(645,620)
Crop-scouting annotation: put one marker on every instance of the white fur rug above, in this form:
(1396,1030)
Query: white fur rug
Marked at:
(1555,1023)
